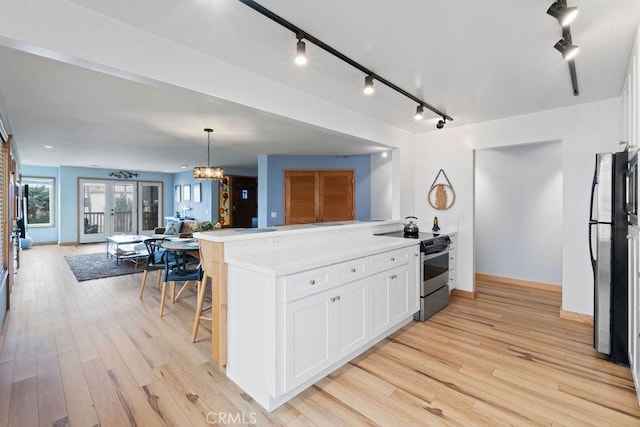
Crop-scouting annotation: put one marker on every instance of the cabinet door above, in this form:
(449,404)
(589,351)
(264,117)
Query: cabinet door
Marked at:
(301,197)
(399,292)
(307,338)
(335,196)
(380,295)
(351,318)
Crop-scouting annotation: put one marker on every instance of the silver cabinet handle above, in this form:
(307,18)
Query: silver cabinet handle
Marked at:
(416,254)
(353,270)
(313,282)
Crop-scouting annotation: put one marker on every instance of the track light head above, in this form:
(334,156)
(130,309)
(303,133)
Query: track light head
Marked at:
(301,53)
(565,15)
(368,85)
(419,111)
(568,50)
(441,123)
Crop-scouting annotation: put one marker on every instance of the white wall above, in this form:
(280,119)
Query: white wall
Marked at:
(518,212)
(583,131)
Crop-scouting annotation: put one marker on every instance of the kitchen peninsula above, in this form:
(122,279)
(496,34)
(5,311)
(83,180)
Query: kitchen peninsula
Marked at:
(293,303)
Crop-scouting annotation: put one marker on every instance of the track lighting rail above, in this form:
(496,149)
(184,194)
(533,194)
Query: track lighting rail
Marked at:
(301,34)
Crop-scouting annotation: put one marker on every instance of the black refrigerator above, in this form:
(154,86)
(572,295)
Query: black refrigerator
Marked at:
(608,247)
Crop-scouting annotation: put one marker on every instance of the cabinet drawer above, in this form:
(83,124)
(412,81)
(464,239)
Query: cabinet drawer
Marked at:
(391,259)
(452,279)
(452,259)
(352,270)
(307,283)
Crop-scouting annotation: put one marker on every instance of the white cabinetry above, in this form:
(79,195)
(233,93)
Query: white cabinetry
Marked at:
(452,262)
(288,331)
(630,132)
(332,311)
(322,328)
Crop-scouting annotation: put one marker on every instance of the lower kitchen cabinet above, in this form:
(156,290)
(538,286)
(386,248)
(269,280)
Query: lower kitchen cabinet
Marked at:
(452,262)
(323,328)
(393,296)
(288,331)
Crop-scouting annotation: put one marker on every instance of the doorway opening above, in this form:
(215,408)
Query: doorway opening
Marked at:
(518,214)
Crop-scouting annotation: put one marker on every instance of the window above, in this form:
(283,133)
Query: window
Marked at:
(41,201)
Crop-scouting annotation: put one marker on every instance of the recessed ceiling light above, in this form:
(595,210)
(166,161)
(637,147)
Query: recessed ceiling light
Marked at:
(48,146)
(184,166)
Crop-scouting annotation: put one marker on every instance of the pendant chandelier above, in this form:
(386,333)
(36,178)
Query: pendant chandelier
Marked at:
(208,172)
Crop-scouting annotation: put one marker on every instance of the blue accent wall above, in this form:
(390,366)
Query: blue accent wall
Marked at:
(65,229)
(271,189)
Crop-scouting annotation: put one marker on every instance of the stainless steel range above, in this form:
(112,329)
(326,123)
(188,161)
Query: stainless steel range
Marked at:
(434,276)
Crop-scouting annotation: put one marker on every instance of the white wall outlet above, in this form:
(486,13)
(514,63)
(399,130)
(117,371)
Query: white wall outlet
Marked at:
(274,214)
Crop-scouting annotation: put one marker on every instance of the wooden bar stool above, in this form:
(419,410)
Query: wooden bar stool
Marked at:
(209,273)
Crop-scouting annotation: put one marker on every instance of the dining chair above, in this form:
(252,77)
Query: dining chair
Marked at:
(178,268)
(155,261)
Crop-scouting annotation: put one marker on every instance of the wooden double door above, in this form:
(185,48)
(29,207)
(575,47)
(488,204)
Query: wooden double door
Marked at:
(325,195)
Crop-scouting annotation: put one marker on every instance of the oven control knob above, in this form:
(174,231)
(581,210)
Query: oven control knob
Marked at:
(353,270)
(393,259)
(313,282)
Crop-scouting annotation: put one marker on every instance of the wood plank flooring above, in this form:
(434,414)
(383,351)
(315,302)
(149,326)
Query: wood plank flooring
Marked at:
(92,353)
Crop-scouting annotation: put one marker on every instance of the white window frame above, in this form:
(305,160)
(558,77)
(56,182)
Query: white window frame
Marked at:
(51,183)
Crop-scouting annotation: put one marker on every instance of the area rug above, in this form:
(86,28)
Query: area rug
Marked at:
(97,266)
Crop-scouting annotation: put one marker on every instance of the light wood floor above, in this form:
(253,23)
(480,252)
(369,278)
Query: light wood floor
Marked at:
(90,353)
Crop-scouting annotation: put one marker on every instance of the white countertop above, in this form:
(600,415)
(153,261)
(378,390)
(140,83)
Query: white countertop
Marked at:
(236,234)
(306,257)
(290,249)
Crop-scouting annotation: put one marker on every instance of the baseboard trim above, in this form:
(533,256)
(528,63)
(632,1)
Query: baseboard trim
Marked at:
(519,282)
(68,243)
(576,317)
(463,294)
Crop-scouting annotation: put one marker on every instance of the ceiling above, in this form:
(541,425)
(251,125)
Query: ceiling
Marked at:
(475,61)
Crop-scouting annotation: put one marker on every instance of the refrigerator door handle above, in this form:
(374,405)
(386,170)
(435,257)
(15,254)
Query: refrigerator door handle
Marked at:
(594,183)
(593,258)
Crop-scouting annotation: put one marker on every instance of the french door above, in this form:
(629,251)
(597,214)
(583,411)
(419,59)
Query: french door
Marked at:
(117,207)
